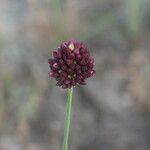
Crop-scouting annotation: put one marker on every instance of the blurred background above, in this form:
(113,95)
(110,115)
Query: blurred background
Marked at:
(112,112)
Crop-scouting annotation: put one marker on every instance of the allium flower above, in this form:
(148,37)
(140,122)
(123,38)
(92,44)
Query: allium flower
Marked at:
(71,64)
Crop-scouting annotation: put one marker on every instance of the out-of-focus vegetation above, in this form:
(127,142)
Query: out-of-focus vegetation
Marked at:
(112,111)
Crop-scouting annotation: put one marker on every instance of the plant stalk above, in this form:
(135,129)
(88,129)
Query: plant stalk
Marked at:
(67,118)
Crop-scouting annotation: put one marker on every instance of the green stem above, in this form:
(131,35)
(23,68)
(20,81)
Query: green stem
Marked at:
(67,118)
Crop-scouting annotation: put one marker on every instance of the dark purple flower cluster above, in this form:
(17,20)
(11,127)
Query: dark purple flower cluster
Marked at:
(71,64)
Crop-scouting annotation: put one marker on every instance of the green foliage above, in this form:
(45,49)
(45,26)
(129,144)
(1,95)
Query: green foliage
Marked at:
(133,16)
(25,101)
(28,109)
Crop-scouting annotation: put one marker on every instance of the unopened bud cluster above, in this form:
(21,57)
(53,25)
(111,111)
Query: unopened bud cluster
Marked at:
(71,64)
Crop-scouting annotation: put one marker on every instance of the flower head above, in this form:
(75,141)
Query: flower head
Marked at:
(71,64)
